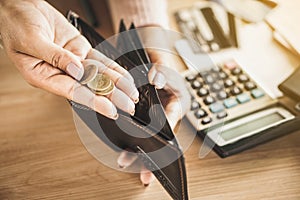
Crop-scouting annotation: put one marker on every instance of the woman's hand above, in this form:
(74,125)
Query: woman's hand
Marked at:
(49,52)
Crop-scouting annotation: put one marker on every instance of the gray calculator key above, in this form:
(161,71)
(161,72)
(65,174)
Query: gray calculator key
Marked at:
(206,120)
(222,115)
(195,105)
(223,75)
(190,77)
(222,95)
(249,86)
(236,90)
(209,100)
(236,71)
(243,78)
(216,87)
(197,84)
(209,79)
(200,113)
(203,92)
(228,83)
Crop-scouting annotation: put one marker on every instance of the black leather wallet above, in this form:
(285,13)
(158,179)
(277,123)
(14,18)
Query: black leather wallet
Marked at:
(151,136)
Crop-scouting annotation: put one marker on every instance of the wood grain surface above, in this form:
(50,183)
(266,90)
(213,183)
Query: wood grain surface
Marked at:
(42,157)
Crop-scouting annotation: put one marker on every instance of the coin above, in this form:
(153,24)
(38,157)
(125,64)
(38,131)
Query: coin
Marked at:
(90,73)
(106,91)
(101,85)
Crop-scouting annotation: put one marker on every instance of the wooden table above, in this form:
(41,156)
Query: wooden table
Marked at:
(42,157)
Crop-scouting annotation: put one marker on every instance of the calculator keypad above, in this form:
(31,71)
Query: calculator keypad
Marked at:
(219,90)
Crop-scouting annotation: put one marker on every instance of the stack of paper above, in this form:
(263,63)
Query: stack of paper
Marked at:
(284,19)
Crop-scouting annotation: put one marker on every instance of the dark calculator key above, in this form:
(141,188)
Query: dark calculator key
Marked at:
(190,78)
(216,87)
(200,113)
(196,84)
(222,95)
(206,120)
(209,100)
(250,86)
(236,71)
(243,78)
(228,83)
(222,115)
(195,105)
(223,75)
(236,90)
(202,92)
(209,79)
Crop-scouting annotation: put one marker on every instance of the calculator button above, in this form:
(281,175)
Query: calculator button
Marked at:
(222,95)
(216,87)
(209,100)
(215,69)
(243,98)
(257,93)
(228,83)
(200,113)
(236,90)
(216,107)
(249,86)
(231,102)
(209,79)
(202,92)
(222,115)
(223,75)
(243,78)
(195,105)
(196,84)
(230,65)
(190,78)
(236,71)
(206,120)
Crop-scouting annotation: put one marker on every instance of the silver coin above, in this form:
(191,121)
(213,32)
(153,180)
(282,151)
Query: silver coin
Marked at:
(90,73)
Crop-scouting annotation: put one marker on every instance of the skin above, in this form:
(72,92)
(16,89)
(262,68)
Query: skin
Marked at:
(51,55)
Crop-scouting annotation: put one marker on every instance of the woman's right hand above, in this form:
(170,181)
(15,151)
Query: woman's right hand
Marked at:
(51,54)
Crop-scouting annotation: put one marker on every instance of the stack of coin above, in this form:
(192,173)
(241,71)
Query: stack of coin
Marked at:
(100,84)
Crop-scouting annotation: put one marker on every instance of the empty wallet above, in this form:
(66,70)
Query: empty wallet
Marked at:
(151,136)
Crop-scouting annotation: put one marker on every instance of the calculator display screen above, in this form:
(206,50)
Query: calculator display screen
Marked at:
(251,126)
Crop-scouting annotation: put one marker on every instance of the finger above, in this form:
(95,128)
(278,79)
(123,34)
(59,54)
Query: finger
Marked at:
(120,81)
(174,112)
(126,159)
(122,101)
(146,176)
(152,74)
(51,79)
(60,57)
(97,55)
(159,80)
(79,46)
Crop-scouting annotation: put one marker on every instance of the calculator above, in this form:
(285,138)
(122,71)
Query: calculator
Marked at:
(231,110)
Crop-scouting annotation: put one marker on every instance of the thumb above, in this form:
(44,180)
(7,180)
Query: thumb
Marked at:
(65,60)
(58,56)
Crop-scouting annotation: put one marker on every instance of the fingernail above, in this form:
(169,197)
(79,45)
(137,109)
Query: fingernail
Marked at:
(136,101)
(135,95)
(146,185)
(159,81)
(115,116)
(132,113)
(75,71)
(121,166)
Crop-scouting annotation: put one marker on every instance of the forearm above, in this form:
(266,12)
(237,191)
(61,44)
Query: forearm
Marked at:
(141,12)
